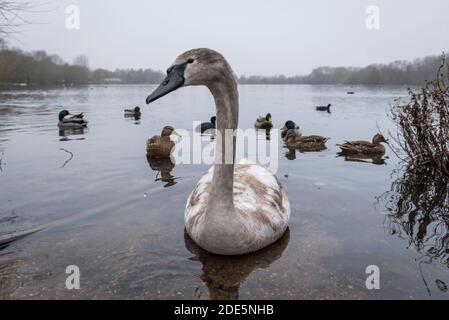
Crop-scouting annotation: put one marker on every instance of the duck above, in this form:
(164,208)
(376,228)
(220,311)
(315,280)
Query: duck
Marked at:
(290,126)
(324,108)
(305,143)
(234,209)
(71,121)
(160,147)
(364,147)
(206,126)
(133,112)
(264,123)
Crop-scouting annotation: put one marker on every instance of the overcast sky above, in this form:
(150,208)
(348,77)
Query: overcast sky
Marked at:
(256,36)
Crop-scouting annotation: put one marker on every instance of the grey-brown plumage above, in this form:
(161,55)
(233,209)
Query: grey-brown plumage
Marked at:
(364,147)
(235,208)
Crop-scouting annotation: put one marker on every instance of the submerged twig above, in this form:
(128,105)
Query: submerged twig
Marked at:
(68,160)
(1,162)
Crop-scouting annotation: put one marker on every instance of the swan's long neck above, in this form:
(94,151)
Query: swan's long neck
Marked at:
(226,101)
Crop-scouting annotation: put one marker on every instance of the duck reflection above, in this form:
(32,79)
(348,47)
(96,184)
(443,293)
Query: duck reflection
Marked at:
(66,134)
(290,154)
(164,168)
(418,212)
(372,159)
(223,275)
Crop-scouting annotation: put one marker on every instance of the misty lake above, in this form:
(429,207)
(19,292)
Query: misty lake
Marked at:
(96,202)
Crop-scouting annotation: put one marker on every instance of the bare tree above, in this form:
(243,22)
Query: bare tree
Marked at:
(82,61)
(11,15)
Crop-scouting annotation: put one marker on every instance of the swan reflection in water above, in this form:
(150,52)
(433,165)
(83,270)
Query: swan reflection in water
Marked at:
(223,275)
(164,168)
(70,134)
(418,212)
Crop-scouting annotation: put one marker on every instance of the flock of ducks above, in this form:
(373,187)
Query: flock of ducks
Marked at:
(160,146)
(235,208)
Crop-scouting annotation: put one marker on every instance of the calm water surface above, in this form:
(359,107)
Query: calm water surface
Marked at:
(96,202)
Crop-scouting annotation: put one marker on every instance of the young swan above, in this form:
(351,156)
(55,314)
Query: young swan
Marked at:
(364,147)
(234,209)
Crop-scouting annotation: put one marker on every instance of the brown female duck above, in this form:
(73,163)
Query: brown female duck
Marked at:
(159,147)
(364,147)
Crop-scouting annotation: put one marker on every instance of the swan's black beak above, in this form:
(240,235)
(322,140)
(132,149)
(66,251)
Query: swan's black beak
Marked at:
(174,80)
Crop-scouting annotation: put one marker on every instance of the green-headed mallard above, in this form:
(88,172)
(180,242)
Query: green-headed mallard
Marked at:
(305,143)
(71,121)
(324,108)
(133,112)
(206,126)
(364,147)
(292,127)
(159,147)
(264,123)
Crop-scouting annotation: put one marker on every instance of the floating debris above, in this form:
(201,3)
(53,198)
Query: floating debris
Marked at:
(68,160)
(441,285)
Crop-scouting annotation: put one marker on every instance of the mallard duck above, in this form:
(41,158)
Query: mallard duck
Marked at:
(290,126)
(305,143)
(205,126)
(324,108)
(71,121)
(133,112)
(264,123)
(159,147)
(364,147)
(235,208)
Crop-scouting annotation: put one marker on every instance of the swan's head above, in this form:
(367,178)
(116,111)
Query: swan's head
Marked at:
(193,68)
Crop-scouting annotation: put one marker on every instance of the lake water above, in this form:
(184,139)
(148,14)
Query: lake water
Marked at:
(96,202)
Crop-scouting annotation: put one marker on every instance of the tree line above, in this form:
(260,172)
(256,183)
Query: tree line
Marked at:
(39,68)
(416,72)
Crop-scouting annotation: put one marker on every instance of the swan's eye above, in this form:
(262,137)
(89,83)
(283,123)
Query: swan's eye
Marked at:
(190,60)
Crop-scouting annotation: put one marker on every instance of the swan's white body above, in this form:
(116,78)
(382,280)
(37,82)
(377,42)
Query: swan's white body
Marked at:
(262,210)
(235,208)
